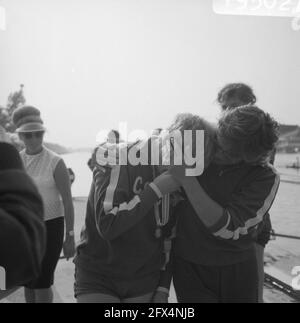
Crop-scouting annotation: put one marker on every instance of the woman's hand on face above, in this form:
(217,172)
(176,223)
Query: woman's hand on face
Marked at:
(179,174)
(69,247)
(166,183)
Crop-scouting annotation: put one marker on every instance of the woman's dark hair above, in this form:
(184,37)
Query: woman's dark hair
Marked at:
(116,135)
(188,121)
(157,131)
(249,133)
(235,95)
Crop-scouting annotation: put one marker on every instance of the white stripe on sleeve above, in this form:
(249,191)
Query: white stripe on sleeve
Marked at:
(110,191)
(235,235)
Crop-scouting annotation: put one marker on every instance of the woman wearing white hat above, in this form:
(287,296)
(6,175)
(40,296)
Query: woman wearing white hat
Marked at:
(50,174)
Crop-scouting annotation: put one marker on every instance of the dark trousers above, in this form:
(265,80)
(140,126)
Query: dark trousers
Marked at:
(55,240)
(236,283)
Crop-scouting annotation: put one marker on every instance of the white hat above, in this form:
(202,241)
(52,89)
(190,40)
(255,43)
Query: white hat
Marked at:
(28,119)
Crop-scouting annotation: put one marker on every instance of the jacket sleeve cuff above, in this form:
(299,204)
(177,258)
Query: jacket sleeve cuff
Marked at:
(156,190)
(222,223)
(149,197)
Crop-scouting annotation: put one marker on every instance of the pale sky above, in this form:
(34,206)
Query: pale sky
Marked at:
(90,64)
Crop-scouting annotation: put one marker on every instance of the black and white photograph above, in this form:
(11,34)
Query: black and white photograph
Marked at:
(149,154)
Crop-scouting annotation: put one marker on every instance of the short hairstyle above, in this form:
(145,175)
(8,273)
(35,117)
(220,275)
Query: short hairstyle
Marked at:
(116,134)
(157,131)
(188,121)
(236,94)
(249,133)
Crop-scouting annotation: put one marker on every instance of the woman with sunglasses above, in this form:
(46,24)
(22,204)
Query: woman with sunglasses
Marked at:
(51,177)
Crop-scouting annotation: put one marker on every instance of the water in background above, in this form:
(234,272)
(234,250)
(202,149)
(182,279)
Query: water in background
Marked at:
(286,209)
(83,180)
(285,216)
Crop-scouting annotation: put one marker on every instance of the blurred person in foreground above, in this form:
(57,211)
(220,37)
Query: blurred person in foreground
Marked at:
(50,174)
(22,230)
(231,97)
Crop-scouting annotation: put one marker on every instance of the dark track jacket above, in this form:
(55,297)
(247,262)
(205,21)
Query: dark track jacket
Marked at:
(246,194)
(119,239)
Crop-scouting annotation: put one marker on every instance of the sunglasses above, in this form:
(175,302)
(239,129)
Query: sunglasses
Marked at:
(30,135)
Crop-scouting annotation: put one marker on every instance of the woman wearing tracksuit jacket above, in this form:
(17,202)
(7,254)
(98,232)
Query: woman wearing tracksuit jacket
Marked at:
(232,96)
(125,250)
(215,258)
